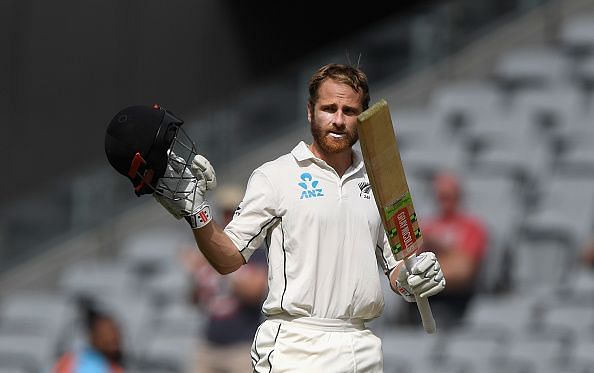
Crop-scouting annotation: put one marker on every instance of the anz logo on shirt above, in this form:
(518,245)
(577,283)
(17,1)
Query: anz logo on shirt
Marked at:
(310,187)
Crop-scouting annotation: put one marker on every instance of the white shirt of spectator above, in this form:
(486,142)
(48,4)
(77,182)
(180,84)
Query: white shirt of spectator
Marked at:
(323,234)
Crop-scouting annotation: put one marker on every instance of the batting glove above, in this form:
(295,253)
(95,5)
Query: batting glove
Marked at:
(182,189)
(425,278)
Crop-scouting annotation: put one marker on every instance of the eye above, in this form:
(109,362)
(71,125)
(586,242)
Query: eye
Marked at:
(328,108)
(351,111)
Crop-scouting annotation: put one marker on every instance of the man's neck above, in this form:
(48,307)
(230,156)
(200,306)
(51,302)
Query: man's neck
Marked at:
(340,162)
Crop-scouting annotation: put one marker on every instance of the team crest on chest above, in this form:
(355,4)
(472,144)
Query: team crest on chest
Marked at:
(310,187)
(365,188)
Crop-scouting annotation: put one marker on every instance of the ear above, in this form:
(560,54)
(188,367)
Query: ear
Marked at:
(309,111)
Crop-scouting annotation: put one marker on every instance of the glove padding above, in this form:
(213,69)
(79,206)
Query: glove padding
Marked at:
(425,278)
(184,188)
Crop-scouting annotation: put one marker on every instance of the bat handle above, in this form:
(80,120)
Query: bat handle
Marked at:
(422,303)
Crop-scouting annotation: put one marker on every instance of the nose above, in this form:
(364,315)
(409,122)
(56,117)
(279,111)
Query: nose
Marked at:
(339,119)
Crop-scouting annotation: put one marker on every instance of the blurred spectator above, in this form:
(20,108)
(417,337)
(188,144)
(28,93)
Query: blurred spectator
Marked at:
(103,351)
(232,303)
(587,254)
(460,241)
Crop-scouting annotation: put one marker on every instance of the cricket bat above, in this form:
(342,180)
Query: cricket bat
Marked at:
(391,192)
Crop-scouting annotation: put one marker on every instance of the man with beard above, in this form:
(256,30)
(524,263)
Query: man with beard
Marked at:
(313,210)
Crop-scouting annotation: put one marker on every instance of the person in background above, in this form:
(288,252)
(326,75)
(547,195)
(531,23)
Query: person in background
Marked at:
(460,242)
(103,351)
(232,303)
(587,254)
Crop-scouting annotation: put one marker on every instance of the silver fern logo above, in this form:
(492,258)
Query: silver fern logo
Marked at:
(365,188)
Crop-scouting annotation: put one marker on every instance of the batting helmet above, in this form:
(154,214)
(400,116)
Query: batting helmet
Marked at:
(139,144)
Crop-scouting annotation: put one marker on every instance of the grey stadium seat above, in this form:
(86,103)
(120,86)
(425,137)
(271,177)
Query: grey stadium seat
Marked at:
(170,353)
(474,348)
(577,33)
(398,343)
(34,353)
(564,212)
(425,162)
(507,313)
(94,277)
(531,67)
(572,155)
(414,126)
(581,351)
(150,251)
(462,102)
(12,369)
(497,201)
(36,314)
(180,319)
(539,264)
(550,110)
(169,285)
(584,72)
(536,350)
(506,146)
(578,319)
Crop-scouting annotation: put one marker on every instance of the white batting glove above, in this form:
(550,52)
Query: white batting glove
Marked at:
(425,278)
(184,189)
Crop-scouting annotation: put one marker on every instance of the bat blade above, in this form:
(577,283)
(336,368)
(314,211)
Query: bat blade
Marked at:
(391,192)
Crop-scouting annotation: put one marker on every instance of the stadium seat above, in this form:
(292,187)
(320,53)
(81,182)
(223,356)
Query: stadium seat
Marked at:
(35,313)
(570,221)
(33,353)
(169,353)
(579,319)
(170,285)
(424,366)
(577,34)
(582,285)
(540,263)
(461,103)
(538,350)
(12,369)
(507,313)
(506,143)
(573,155)
(148,252)
(550,110)
(496,200)
(397,344)
(180,319)
(416,127)
(581,353)
(95,278)
(531,67)
(425,162)
(475,348)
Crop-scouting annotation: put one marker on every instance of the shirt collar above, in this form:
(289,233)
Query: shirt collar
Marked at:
(301,152)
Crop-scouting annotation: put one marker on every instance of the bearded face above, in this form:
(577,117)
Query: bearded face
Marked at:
(333,140)
(333,118)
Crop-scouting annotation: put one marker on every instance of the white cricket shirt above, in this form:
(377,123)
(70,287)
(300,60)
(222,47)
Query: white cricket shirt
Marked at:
(323,235)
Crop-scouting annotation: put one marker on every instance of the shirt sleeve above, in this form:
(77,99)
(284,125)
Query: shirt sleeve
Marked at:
(254,216)
(384,255)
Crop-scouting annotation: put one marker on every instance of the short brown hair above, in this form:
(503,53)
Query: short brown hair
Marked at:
(345,74)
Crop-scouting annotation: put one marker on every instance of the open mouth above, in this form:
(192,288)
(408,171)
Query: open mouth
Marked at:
(337,135)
